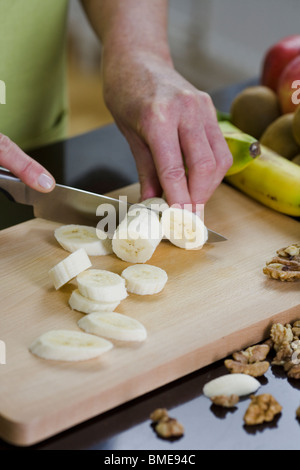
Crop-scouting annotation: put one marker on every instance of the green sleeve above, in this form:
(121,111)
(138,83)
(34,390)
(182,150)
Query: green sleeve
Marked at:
(33,68)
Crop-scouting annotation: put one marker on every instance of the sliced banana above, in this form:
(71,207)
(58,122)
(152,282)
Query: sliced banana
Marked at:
(157,204)
(144,279)
(137,236)
(69,268)
(85,305)
(113,325)
(73,237)
(101,285)
(184,228)
(68,345)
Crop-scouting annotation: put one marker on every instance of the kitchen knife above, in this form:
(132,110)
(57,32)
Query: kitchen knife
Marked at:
(69,205)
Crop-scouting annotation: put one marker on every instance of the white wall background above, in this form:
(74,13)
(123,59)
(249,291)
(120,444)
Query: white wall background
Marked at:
(213,42)
(216,42)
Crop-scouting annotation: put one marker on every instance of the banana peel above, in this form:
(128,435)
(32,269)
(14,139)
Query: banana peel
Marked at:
(243,147)
(271,180)
(268,178)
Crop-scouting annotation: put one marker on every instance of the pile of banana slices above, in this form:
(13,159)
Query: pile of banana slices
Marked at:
(99,292)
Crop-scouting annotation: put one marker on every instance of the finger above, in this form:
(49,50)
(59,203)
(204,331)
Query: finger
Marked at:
(24,167)
(167,156)
(148,178)
(221,152)
(200,161)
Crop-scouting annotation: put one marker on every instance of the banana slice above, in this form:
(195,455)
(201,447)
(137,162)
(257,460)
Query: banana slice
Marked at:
(69,268)
(73,237)
(184,228)
(101,285)
(113,325)
(85,305)
(144,279)
(68,345)
(157,204)
(137,236)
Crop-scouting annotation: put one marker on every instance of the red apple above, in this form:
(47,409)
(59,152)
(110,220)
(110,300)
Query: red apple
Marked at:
(277,58)
(288,89)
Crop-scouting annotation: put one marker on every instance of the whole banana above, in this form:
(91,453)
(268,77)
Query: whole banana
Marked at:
(272,180)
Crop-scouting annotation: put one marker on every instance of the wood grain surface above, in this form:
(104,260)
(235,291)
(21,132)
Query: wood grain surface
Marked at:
(217,300)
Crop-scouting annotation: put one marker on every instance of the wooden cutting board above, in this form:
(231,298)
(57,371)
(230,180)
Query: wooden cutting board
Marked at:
(217,300)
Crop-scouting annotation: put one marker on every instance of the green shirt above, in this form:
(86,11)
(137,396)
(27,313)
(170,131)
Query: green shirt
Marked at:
(32,66)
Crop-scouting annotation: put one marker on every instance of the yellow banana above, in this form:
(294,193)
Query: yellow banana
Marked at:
(272,180)
(243,147)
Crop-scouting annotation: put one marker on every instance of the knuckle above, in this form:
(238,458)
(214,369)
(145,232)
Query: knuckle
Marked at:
(153,115)
(173,174)
(27,169)
(226,162)
(204,167)
(206,97)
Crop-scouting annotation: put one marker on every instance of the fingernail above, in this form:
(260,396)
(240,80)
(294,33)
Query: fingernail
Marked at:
(45,181)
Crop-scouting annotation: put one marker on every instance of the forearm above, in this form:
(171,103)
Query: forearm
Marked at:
(160,113)
(126,26)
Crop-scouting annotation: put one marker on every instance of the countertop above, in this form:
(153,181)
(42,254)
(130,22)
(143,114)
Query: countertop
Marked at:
(101,161)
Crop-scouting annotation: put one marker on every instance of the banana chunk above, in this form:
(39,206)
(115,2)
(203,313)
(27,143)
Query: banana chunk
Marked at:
(138,235)
(85,305)
(184,228)
(157,204)
(73,237)
(144,279)
(69,268)
(113,325)
(68,345)
(101,285)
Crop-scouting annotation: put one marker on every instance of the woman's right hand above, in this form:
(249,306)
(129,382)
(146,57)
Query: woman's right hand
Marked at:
(24,167)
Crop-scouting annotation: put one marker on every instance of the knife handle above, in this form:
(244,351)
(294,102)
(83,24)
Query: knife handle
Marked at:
(12,186)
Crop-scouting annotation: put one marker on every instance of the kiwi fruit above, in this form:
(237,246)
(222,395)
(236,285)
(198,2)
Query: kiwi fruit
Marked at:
(254,109)
(296,125)
(279,137)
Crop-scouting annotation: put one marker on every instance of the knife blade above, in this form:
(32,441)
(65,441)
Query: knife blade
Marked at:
(68,205)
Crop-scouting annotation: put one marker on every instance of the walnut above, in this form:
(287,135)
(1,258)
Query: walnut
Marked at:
(290,252)
(227,401)
(281,272)
(240,356)
(294,371)
(269,342)
(284,354)
(257,369)
(257,353)
(281,334)
(288,365)
(165,426)
(285,266)
(169,427)
(252,354)
(158,414)
(263,408)
(296,328)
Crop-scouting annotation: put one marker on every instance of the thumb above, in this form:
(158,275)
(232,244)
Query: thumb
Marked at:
(24,167)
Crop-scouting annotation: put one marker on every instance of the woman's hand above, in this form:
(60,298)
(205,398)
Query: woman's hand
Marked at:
(24,167)
(171,128)
(164,118)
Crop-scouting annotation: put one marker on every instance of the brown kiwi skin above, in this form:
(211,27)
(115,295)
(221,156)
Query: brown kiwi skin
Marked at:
(254,109)
(296,125)
(280,138)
